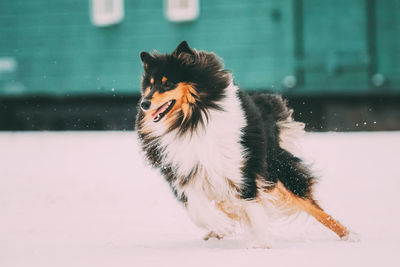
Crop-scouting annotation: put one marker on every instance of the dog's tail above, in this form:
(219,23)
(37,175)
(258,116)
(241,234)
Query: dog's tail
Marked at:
(285,163)
(288,129)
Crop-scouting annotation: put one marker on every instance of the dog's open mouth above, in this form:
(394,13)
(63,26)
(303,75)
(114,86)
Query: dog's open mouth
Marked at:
(162,110)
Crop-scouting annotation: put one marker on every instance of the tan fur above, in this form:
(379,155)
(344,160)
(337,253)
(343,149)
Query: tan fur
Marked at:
(324,218)
(233,210)
(282,200)
(184,95)
(289,204)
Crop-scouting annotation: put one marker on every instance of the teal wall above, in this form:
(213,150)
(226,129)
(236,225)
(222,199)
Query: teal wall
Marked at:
(330,46)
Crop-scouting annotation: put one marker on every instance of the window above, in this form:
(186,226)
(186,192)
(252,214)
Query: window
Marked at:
(181,10)
(106,12)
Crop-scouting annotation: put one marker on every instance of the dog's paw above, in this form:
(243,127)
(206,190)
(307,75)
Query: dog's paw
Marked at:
(212,235)
(351,237)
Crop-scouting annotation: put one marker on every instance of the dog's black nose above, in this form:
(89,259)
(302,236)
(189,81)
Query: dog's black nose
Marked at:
(145,105)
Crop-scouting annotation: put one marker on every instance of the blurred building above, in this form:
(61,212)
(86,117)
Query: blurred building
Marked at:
(73,64)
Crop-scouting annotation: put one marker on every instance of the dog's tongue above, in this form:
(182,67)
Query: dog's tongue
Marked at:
(160,110)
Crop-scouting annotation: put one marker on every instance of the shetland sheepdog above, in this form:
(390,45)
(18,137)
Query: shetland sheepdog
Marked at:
(225,153)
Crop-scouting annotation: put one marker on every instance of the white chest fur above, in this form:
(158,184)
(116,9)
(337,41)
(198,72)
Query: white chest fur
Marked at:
(217,156)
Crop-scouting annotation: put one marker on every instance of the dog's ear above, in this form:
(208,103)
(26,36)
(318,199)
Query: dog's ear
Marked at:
(147,59)
(183,47)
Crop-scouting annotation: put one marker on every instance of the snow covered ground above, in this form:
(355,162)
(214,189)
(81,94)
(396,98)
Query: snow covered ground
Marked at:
(87,199)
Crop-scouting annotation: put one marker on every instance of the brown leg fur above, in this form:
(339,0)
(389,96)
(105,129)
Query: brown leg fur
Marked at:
(320,215)
(289,202)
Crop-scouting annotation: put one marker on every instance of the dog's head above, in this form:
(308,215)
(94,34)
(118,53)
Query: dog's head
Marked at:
(179,88)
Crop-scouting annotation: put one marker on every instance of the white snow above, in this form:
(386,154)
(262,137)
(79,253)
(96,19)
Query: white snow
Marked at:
(87,199)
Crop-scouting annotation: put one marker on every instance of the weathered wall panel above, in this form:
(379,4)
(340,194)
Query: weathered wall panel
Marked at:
(331,46)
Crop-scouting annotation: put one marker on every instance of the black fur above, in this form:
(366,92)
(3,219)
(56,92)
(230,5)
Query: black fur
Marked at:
(266,158)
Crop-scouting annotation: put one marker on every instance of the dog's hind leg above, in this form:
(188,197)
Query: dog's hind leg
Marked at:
(289,202)
(312,208)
